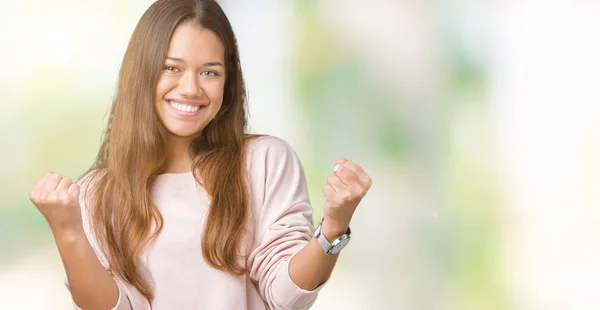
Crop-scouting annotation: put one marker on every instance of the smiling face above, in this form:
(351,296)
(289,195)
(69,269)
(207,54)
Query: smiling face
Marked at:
(189,92)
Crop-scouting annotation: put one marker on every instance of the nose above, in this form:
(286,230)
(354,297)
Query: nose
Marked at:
(189,86)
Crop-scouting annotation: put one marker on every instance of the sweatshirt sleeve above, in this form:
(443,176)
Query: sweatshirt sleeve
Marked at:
(283,223)
(129,297)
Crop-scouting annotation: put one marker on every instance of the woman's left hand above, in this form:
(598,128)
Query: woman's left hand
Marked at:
(345,188)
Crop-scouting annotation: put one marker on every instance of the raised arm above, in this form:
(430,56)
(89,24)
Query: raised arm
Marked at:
(91,286)
(89,280)
(345,187)
(288,265)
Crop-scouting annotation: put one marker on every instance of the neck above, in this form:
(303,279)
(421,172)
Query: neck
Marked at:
(179,159)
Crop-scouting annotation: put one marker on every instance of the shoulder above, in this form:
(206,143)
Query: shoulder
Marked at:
(265,148)
(267,142)
(269,156)
(276,177)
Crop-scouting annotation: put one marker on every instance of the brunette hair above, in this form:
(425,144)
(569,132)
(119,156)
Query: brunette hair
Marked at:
(123,216)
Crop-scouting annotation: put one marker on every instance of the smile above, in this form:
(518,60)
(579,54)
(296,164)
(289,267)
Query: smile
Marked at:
(184,107)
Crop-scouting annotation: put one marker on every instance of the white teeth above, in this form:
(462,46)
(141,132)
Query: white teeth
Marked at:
(184,108)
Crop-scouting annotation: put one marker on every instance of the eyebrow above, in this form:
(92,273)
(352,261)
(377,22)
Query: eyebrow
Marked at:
(206,64)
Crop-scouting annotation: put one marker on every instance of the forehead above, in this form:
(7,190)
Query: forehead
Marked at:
(195,44)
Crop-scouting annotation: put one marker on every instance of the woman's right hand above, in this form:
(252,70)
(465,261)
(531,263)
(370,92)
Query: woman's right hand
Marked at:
(57,198)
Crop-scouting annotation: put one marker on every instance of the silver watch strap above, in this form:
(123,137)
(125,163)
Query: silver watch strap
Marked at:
(337,245)
(325,245)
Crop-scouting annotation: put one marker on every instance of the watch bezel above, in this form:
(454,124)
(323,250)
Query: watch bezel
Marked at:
(338,244)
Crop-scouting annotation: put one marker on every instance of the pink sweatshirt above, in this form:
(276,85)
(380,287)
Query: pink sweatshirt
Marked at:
(280,224)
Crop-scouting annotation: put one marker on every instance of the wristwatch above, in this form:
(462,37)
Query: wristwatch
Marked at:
(337,245)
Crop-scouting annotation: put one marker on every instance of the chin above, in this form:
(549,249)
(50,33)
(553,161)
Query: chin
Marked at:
(184,132)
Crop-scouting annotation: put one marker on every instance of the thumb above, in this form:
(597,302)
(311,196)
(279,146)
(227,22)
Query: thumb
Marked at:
(73,193)
(339,162)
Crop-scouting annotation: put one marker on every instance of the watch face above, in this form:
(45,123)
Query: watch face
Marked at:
(339,244)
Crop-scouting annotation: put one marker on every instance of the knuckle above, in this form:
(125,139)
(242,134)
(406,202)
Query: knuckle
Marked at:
(54,198)
(48,199)
(64,201)
(347,196)
(41,199)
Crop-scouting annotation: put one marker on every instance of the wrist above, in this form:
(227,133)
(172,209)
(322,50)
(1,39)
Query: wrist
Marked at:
(332,229)
(70,234)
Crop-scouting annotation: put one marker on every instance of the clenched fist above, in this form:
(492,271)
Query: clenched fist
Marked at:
(57,198)
(345,188)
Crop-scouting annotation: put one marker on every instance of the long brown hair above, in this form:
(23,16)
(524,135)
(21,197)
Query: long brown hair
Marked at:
(131,155)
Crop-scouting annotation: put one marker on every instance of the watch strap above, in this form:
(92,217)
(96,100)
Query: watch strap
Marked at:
(331,248)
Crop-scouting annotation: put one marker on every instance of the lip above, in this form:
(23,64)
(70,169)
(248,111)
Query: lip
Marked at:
(186,102)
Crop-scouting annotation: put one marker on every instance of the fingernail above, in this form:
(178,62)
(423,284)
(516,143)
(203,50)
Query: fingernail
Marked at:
(337,167)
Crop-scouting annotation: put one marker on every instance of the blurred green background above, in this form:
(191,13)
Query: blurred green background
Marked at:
(479,122)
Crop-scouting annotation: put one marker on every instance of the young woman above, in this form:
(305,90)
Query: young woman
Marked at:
(183,209)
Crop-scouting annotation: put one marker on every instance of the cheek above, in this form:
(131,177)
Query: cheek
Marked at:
(162,87)
(215,92)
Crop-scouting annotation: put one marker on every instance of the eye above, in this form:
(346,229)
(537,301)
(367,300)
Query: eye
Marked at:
(210,73)
(171,68)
